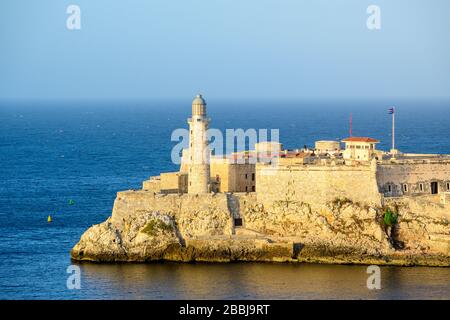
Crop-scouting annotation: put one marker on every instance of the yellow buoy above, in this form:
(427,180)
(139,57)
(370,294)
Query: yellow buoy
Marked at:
(49,219)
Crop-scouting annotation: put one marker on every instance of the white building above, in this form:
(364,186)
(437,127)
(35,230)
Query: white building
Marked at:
(360,148)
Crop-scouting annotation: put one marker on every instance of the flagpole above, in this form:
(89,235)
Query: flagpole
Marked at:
(393,151)
(393,131)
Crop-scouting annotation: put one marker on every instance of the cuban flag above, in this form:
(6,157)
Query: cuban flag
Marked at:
(391,110)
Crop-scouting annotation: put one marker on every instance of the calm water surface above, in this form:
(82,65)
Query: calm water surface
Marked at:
(261,281)
(53,152)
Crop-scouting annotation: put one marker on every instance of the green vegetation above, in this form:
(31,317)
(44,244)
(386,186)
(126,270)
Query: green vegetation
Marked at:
(154,226)
(390,218)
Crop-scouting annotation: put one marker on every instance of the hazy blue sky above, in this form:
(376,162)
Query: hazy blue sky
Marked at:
(145,49)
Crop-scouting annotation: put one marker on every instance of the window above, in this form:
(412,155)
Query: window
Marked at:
(246,176)
(421,187)
(389,188)
(253,179)
(253,188)
(448,186)
(246,188)
(405,188)
(434,187)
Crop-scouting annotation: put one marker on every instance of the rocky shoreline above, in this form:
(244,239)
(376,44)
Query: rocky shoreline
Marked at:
(148,227)
(213,251)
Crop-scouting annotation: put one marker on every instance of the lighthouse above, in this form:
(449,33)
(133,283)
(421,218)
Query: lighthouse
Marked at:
(199,153)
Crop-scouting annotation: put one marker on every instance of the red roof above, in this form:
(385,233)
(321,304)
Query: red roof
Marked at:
(360,139)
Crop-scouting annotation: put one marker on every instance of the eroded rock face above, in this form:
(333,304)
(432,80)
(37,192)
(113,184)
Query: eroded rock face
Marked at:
(100,242)
(154,236)
(144,237)
(145,227)
(194,215)
(339,226)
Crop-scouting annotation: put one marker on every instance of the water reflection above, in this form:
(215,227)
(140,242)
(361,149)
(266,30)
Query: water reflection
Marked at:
(258,281)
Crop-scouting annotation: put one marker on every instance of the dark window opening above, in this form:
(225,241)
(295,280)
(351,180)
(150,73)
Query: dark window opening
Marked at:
(253,177)
(253,188)
(238,222)
(434,188)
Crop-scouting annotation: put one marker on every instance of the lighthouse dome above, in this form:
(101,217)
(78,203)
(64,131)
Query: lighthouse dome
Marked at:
(199,106)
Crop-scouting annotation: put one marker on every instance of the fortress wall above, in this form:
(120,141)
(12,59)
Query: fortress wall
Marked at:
(153,185)
(445,199)
(174,182)
(316,185)
(232,176)
(195,215)
(241,177)
(131,203)
(412,174)
(220,168)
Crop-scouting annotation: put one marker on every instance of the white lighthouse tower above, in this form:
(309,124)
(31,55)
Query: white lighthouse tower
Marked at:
(199,153)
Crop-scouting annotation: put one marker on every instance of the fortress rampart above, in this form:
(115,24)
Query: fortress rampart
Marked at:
(195,215)
(317,185)
(413,177)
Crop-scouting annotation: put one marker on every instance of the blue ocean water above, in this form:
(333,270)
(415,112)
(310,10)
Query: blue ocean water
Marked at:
(52,152)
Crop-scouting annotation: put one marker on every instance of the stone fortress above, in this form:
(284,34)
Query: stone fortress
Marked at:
(323,204)
(358,171)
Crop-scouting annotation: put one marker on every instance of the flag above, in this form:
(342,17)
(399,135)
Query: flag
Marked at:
(391,110)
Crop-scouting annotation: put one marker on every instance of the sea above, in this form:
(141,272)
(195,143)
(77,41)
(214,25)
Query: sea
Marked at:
(68,159)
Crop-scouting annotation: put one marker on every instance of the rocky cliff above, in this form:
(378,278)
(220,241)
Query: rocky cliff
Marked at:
(146,227)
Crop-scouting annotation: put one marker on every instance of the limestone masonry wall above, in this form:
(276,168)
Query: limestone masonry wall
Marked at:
(317,185)
(415,175)
(153,184)
(195,215)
